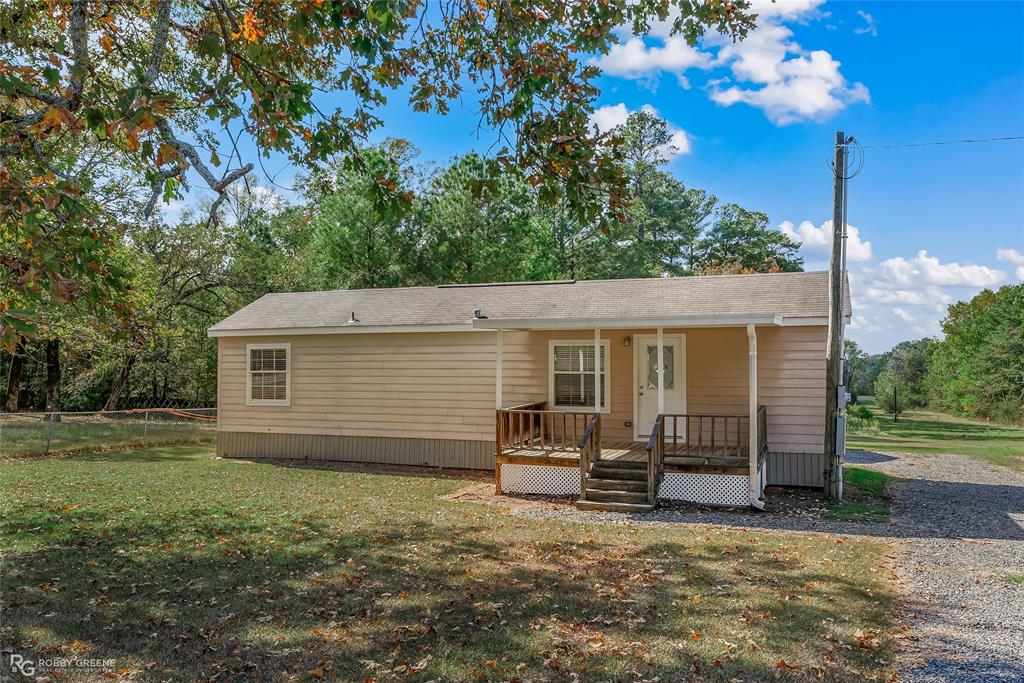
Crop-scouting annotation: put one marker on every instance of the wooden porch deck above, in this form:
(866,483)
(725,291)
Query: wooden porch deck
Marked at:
(626,476)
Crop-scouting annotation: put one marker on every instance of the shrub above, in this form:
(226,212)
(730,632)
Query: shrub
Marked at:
(862,412)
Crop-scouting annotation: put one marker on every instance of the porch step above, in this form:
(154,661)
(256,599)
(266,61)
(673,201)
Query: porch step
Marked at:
(600,470)
(619,496)
(613,507)
(622,464)
(617,484)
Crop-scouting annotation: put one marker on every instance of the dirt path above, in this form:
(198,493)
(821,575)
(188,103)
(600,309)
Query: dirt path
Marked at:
(958,525)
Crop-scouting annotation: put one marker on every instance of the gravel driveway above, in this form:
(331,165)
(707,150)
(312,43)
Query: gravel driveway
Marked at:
(958,524)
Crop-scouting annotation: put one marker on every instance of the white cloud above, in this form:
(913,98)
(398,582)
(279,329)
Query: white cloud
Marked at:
(807,86)
(908,297)
(769,70)
(609,116)
(887,295)
(785,9)
(923,270)
(634,59)
(1014,257)
(870,25)
(1010,255)
(173,209)
(902,314)
(816,242)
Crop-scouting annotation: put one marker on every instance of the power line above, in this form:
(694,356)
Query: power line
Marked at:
(945,142)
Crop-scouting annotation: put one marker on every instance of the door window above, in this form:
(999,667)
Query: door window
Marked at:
(652,367)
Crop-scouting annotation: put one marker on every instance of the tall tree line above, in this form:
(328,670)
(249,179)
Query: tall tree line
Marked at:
(468,221)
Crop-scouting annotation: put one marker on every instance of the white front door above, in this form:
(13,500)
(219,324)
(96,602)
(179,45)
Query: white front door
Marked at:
(646,365)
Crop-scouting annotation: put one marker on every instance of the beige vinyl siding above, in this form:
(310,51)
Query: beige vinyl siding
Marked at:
(791,382)
(415,385)
(441,385)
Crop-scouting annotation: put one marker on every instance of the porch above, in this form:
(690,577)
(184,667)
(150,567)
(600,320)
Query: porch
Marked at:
(615,428)
(697,458)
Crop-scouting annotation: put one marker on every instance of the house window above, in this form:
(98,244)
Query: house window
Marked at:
(268,374)
(572,375)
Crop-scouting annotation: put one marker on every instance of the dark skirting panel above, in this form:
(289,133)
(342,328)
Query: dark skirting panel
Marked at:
(376,449)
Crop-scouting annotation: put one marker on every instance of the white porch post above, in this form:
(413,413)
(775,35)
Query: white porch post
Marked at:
(755,479)
(597,369)
(661,372)
(498,368)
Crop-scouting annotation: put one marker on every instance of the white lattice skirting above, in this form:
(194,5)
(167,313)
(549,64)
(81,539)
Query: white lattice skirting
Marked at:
(707,489)
(552,481)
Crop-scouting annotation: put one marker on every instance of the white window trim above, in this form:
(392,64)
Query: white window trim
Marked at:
(249,400)
(605,384)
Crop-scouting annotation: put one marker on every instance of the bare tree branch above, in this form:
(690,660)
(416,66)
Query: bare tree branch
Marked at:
(163,21)
(80,48)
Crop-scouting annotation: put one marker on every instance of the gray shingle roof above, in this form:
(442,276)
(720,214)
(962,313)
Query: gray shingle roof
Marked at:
(798,295)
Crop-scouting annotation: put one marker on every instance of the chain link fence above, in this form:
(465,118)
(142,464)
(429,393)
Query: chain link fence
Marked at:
(35,434)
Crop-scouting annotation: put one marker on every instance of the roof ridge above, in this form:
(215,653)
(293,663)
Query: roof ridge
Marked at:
(527,283)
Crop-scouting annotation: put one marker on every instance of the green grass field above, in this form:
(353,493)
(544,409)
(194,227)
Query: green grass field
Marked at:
(927,431)
(27,434)
(864,497)
(185,567)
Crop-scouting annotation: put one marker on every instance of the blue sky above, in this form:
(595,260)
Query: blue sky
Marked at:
(757,121)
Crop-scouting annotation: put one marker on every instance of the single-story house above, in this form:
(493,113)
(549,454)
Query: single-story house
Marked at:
(704,388)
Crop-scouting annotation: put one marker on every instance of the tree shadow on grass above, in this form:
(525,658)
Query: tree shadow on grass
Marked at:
(206,592)
(935,513)
(859,457)
(920,428)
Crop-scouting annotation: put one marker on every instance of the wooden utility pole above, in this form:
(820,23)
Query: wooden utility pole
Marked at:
(834,351)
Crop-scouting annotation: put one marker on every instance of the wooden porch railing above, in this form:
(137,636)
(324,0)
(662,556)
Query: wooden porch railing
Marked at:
(655,459)
(712,436)
(762,433)
(531,427)
(590,451)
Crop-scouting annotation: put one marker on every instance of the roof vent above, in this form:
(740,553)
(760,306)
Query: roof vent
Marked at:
(478,315)
(353,319)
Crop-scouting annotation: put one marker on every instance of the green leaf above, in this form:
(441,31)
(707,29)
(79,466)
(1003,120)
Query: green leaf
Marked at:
(51,75)
(170,189)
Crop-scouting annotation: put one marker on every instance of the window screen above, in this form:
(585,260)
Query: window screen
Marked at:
(268,374)
(573,369)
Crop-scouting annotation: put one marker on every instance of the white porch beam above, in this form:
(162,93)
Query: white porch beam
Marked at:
(661,371)
(498,380)
(755,479)
(597,369)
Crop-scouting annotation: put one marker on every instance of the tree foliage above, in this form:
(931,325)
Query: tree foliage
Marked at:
(154,93)
(743,239)
(891,394)
(467,221)
(978,369)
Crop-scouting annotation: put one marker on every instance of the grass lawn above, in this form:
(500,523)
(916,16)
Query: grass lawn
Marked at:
(27,434)
(864,498)
(927,431)
(185,567)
